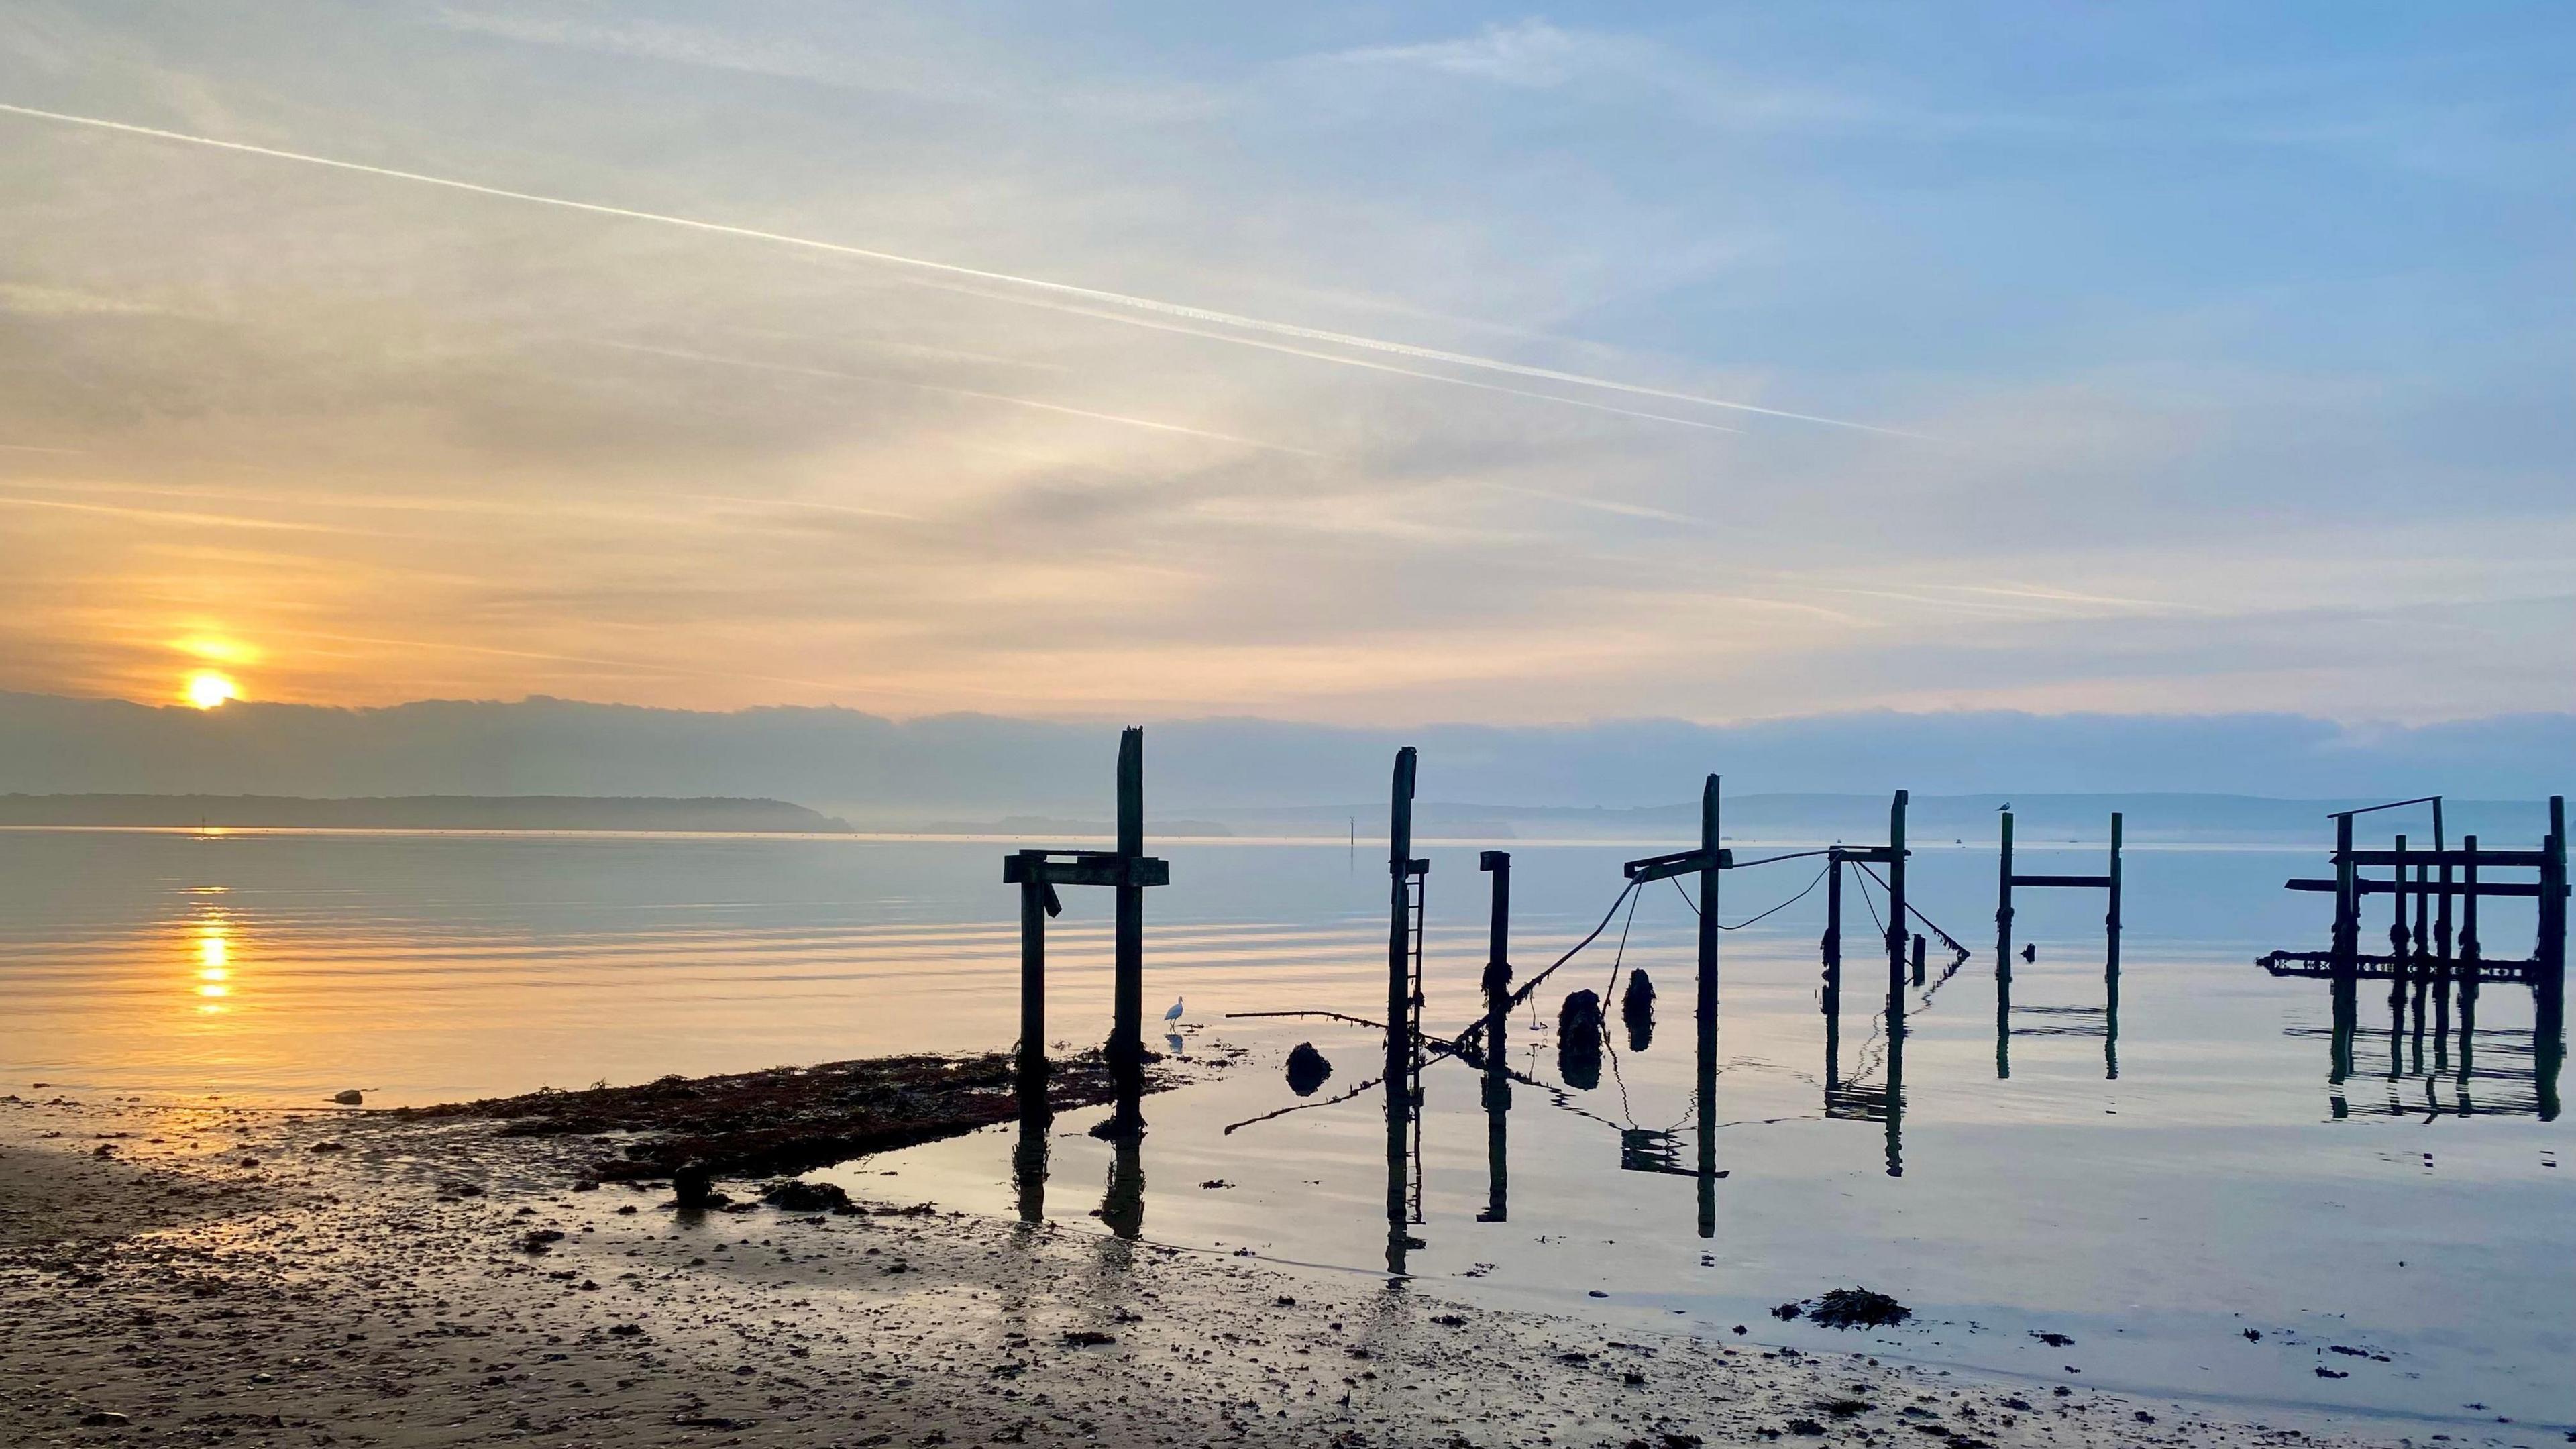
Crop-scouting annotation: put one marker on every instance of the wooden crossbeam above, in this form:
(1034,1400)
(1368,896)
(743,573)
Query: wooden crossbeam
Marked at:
(1085,867)
(2093,882)
(1680,862)
(2319,965)
(2429,888)
(2532,858)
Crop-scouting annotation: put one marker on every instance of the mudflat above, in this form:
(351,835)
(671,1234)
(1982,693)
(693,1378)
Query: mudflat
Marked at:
(212,1275)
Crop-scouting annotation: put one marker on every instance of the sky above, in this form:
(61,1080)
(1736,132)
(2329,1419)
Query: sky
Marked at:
(1340,364)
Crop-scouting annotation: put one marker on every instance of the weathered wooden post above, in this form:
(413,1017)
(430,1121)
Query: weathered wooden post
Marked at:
(1712,860)
(2004,904)
(2347,917)
(1832,945)
(1400,1043)
(1896,927)
(1127,1017)
(2469,947)
(2549,963)
(2111,920)
(1918,959)
(1498,1014)
(1897,935)
(2397,929)
(1833,954)
(2442,920)
(1037,902)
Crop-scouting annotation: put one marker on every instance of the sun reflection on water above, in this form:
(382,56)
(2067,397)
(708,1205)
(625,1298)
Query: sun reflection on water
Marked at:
(214,972)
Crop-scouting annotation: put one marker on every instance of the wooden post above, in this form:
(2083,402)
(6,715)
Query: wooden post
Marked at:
(2442,921)
(1918,959)
(1498,966)
(1127,1029)
(2552,947)
(2347,920)
(2004,904)
(2111,921)
(2397,929)
(2469,947)
(1896,928)
(1833,952)
(1705,1016)
(1033,914)
(2003,1026)
(2549,961)
(1399,968)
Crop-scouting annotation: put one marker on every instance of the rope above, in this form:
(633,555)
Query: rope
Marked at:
(1475,1033)
(1784,905)
(1946,938)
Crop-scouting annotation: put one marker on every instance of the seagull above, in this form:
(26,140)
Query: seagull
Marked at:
(2007,805)
(1175,1013)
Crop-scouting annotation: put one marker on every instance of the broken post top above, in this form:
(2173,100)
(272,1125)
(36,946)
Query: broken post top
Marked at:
(1131,790)
(1399,819)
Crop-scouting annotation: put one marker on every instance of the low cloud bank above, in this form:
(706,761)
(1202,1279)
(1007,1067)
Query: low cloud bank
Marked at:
(873,770)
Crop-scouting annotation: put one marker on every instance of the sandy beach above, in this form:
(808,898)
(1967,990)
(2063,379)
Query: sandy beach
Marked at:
(219,1275)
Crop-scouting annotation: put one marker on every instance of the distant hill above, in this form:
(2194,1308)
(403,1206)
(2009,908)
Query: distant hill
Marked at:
(418,812)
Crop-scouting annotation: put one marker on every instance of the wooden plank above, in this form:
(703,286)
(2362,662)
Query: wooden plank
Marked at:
(2456,888)
(2095,882)
(1087,870)
(1683,862)
(2450,857)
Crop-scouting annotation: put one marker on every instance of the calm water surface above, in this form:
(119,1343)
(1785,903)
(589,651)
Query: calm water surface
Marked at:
(2151,1181)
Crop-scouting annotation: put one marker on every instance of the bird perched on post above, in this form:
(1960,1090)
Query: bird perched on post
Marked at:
(1175,1013)
(2000,809)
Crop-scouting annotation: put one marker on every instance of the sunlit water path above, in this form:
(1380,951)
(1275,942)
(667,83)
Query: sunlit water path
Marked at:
(2151,1194)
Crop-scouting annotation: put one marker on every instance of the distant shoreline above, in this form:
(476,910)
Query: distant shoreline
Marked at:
(478,813)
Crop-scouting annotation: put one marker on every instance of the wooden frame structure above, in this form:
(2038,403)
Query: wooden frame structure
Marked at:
(2006,881)
(1126,870)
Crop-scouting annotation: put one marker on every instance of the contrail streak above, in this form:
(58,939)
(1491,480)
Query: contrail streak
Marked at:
(1035,284)
(825,372)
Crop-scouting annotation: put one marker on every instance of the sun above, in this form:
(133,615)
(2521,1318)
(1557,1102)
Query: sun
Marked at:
(206,689)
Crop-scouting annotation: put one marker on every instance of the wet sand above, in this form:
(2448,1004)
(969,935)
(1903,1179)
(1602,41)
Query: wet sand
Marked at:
(210,1275)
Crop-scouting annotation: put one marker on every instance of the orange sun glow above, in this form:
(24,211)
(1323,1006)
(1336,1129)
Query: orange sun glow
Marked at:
(206,689)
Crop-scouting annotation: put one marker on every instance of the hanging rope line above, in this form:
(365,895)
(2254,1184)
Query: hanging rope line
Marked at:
(1946,938)
(1784,905)
(1474,1034)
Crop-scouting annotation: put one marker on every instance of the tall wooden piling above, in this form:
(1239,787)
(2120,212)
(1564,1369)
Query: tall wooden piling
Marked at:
(1400,1105)
(1497,1084)
(2004,903)
(1917,959)
(2397,928)
(1127,1028)
(2469,945)
(2442,917)
(2111,918)
(1033,917)
(2549,964)
(1705,1015)
(1896,927)
(1832,947)
(1897,937)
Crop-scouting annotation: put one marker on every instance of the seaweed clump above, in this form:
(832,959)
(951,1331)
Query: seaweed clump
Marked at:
(1857,1308)
(789,1120)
